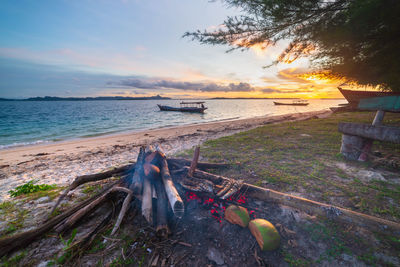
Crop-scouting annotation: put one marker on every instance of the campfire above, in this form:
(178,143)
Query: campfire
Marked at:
(162,188)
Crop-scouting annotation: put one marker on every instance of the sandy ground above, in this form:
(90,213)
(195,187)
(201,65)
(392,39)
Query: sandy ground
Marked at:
(59,163)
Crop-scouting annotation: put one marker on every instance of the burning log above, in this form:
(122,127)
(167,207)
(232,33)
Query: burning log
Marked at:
(147,199)
(162,229)
(136,179)
(174,198)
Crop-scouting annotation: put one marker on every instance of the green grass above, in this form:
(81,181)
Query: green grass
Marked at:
(14,215)
(293,260)
(283,158)
(13,261)
(29,188)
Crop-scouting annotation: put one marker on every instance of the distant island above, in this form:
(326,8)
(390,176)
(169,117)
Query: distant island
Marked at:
(222,98)
(55,98)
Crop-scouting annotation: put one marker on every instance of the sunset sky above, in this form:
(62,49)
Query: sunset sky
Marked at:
(135,48)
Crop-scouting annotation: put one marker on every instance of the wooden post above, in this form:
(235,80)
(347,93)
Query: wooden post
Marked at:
(368,143)
(195,160)
(351,146)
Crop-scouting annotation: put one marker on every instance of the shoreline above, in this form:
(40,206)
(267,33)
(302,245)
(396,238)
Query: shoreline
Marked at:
(113,133)
(61,162)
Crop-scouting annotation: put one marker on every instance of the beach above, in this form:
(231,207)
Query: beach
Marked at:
(60,162)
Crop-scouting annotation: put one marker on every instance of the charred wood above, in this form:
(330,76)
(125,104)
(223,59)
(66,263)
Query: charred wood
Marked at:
(195,161)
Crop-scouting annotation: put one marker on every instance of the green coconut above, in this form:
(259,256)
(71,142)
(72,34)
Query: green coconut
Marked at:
(265,233)
(237,215)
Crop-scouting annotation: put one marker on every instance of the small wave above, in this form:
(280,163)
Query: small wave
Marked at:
(23,144)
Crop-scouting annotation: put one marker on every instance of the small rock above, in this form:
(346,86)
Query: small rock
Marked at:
(370,175)
(347,257)
(215,256)
(43,199)
(305,135)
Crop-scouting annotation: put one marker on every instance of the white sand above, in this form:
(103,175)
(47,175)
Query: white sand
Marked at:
(59,163)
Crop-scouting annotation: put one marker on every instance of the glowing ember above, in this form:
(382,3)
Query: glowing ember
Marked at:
(217,207)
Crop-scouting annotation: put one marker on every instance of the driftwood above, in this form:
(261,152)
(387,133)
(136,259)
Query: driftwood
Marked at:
(20,240)
(381,133)
(124,208)
(91,178)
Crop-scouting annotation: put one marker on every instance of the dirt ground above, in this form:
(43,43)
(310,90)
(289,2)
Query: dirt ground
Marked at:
(203,238)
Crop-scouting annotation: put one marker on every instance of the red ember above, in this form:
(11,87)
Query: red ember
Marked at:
(218,206)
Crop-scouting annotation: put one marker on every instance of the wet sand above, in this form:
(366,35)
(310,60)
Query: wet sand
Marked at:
(59,163)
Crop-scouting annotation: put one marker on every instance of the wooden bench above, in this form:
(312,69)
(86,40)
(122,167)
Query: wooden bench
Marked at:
(357,138)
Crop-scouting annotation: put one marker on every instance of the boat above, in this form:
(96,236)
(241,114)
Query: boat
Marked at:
(185,107)
(294,103)
(354,96)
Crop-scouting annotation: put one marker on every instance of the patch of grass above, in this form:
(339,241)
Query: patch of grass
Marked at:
(16,221)
(120,262)
(30,187)
(14,261)
(331,234)
(293,261)
(7,207)
(67,252)
(92,189)
(290,161)
(368,258)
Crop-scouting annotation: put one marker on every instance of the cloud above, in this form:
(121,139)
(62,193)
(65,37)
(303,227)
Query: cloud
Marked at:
(292,75)
(186,86)
(270,90)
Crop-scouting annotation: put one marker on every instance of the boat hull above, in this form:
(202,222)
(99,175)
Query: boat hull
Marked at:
(354,97)
(183,109)
(291,104)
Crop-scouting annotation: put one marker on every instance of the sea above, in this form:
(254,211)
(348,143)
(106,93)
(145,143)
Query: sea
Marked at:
(35,122)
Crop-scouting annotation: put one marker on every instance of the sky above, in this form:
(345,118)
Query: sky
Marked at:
(84,48)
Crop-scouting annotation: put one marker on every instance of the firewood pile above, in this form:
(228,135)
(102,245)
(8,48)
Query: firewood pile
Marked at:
(147,179)
(158,186)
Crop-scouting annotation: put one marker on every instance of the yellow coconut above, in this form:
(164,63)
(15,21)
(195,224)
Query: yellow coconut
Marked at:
(265,233)
(237,215)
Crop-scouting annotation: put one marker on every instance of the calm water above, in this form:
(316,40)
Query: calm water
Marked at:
(28,122)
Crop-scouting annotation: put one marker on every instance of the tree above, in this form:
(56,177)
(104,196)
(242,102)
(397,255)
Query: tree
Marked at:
(358,40)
